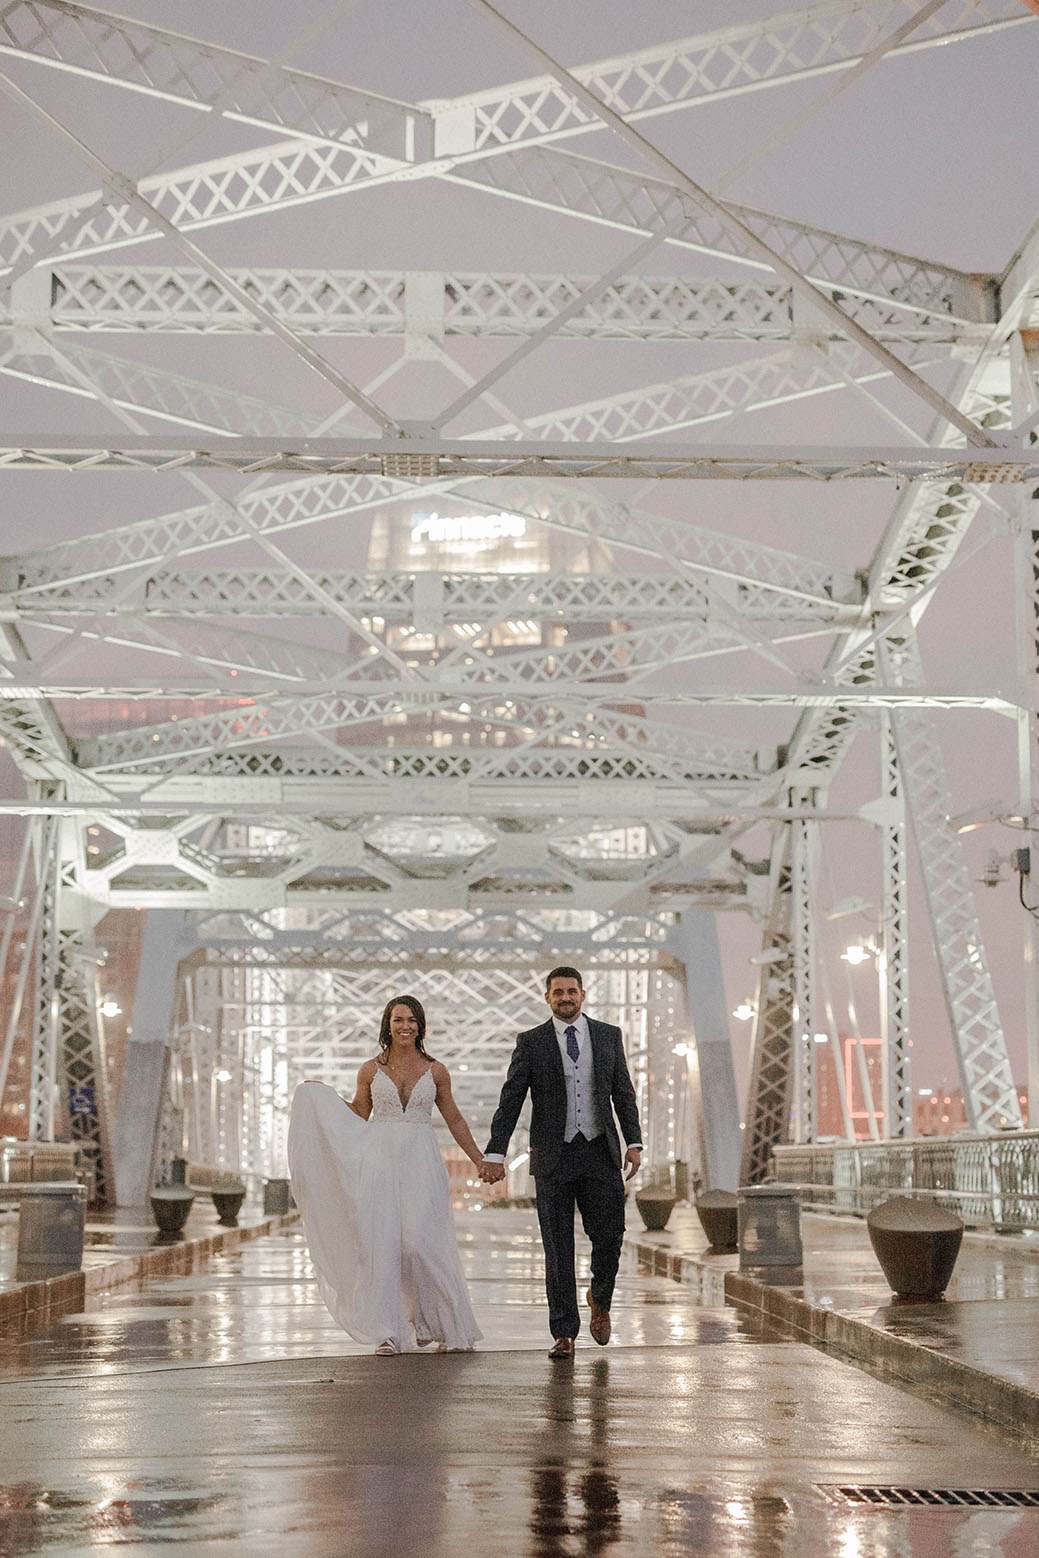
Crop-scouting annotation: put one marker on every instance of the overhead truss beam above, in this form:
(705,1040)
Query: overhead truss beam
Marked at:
(424,459)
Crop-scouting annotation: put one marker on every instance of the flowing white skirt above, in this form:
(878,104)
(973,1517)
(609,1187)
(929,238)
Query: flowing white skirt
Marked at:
(375,1201)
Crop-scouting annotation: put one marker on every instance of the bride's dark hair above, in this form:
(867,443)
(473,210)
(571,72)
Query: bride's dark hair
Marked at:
(418,1011)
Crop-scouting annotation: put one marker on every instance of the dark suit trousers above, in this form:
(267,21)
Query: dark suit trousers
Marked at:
(585,1177)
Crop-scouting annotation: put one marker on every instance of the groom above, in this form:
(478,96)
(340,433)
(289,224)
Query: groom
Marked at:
(576,1074)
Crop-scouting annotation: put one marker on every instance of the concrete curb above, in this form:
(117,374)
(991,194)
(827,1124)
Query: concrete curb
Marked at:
(878,1351)
(31,1306)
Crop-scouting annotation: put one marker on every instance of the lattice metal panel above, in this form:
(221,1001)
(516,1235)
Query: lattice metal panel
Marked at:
(180,69)
(150,543)
(730,61)
(294,505)
(751,385)
(82,1063)
(43,1075)
(600,192)
(990,1096)
(806,1018)
(117,298)
(771,1066)
(159,393)
(435,599)
(893,962)
(419,459)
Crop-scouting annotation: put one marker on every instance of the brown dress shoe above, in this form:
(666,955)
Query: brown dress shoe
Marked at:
(562,1347)
(599,1325)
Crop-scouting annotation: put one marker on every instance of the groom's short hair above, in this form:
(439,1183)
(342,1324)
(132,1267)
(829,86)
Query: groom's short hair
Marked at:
(564,971)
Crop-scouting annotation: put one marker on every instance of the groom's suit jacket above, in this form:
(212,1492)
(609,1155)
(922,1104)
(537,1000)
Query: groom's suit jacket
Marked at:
(537,1067)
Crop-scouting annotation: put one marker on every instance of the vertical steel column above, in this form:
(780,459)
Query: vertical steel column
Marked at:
(43,1072)
(893,961)
(989,1093)
(806,1013)
(1024,399)
(694,941)
(768,1103)
(1026,559)
(145,1101)
(82,1061)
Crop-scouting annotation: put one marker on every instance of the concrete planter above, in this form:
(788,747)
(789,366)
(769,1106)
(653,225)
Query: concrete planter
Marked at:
(916,1244)
(170,1206)
(655,1206)
(228,1204)
(718,1214)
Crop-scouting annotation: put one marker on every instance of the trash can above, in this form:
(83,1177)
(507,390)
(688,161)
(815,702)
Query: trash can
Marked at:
(277,1198)
(51,1220)
(769,1221)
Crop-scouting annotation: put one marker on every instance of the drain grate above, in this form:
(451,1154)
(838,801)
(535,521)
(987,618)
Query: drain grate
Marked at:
(943,1498)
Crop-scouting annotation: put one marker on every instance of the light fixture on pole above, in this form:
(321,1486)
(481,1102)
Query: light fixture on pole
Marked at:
(859,952)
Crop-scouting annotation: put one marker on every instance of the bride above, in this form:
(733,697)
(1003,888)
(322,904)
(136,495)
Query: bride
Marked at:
(375,1198)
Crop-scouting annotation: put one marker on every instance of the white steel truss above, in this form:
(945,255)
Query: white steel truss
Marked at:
(121,299)
(420,459)
(453,768)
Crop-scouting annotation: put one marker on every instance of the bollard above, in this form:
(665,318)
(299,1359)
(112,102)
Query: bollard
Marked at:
(51,1219)
(276,1197)
(769,1218)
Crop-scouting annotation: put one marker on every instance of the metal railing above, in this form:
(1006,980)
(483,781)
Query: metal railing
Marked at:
(991,1181)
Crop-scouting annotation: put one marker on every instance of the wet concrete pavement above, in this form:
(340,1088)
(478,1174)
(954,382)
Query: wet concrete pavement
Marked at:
(985,1324)
(225,1412)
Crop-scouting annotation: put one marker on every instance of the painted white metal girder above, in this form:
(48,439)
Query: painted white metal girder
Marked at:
(428,600)
(420,459)
(179,300)
(178,69)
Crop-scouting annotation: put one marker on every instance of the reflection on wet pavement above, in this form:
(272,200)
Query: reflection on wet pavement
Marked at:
(226,1412)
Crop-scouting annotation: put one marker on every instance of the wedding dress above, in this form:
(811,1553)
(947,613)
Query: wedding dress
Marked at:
(375,1201)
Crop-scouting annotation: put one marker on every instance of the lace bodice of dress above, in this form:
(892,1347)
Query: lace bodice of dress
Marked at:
(386,1104)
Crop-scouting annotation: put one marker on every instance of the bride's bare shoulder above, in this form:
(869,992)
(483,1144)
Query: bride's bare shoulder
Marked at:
(368,1070)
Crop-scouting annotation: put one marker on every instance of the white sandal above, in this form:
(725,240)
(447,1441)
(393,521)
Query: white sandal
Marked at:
(387,1350)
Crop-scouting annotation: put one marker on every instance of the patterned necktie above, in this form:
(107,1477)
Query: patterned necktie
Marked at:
(571,1043)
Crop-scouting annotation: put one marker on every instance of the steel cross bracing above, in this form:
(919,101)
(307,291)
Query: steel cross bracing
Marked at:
(655,80)
(285,507)
(778,378)
(989,1091)
(571,757)
(420,458)
(893,962)
(105,47)
(772,1071)
(922,540)
(291,174)
(428,601)
(779,49)
(176,299)
(425,862)
(174,398)
(806,1012)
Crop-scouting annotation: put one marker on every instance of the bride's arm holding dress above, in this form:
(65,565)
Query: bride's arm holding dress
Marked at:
(362,1099)
(454,1119)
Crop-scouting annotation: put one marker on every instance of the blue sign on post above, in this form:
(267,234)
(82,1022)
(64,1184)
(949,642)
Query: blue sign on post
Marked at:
(82,1100)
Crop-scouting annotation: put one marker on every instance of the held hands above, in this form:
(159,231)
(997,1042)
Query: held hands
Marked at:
(491,1173)
(632,1161)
